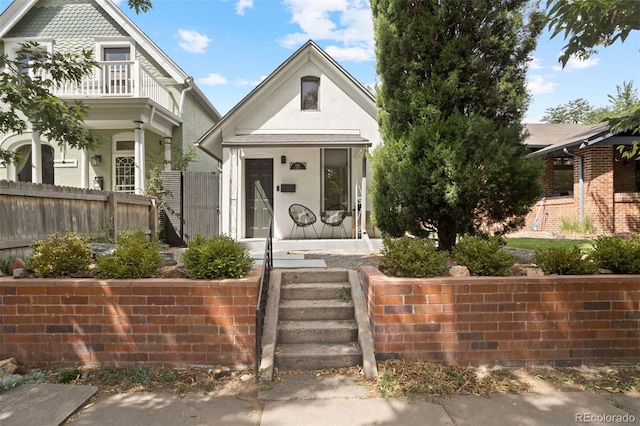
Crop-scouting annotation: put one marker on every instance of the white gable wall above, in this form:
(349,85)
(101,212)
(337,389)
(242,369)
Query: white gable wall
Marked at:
(343,109)
(279,111)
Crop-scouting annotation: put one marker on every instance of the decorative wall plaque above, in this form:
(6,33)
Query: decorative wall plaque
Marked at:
(298,166)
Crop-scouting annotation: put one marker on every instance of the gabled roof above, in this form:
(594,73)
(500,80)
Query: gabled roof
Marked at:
(211,141)
(557,137)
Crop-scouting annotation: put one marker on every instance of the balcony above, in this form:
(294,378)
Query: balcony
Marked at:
(119,79)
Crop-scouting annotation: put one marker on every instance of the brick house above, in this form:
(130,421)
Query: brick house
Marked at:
(586,179)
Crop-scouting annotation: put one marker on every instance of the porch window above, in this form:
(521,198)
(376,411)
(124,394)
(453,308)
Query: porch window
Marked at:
(562,175)
(124,166)
(335,178)
(309,93)
(23,165)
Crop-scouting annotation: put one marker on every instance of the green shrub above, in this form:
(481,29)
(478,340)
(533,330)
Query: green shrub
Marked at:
(134,257)
(412,257)
(564,261)
(4,265)
(484,256)
(618,255)
(60,255)
(215,258)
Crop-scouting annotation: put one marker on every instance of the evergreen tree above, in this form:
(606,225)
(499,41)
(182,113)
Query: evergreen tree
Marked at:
(451,99)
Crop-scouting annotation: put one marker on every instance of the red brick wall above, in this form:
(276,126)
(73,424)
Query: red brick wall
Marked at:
(598,186)
(610,200)
(557,320)
(164,323)
(627,218)
(554,210)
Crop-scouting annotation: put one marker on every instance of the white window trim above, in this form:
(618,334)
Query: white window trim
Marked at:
(12,174)
(13,45)
(319,106)
(108,42)
(119,137)
(349,178)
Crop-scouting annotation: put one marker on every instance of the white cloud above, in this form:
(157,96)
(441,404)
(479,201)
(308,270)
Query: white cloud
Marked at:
(356,54)
(213,80)
(242,5)
(346,23)
(193,41)
(535,64)
(244,82)
(538,85)
(577,64)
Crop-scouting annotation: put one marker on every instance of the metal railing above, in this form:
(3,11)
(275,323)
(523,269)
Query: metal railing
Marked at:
(263,292)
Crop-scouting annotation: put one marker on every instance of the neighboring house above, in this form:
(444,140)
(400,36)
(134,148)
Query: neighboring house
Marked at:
(143,108)
(303,134)
(586,179)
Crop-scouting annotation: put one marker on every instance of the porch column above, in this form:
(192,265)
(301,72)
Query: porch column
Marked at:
(234,192)
(225,193)
(84,169)
(36,157)
(139,158)
(167,154)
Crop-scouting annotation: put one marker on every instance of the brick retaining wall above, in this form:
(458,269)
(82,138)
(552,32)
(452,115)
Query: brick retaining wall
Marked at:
(164,323)
(513,321)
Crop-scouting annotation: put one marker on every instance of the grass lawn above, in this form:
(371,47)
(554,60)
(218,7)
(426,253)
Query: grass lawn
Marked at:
(533,243)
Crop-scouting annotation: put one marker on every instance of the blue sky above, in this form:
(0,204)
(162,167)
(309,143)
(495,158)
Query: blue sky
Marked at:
(228,46)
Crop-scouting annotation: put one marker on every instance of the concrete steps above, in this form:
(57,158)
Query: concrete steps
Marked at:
(312,291)
(337,331)
(314,309)
(317,356)
(317,327)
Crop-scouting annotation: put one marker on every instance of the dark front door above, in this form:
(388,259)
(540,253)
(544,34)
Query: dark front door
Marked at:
(258,180)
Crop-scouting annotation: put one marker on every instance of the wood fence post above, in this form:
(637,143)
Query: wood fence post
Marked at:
(113,213)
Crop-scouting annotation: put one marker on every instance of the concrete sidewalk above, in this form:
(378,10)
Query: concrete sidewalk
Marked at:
(309,400)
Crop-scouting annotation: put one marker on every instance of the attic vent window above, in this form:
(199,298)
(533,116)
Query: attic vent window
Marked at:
(309,93)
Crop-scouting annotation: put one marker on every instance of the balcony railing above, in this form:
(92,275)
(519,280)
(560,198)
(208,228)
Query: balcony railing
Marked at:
(119,79)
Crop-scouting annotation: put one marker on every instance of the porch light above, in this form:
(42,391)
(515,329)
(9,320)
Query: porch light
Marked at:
(96,160)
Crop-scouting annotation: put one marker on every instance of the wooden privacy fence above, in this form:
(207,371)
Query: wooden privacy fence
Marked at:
(30,212)
(190,206)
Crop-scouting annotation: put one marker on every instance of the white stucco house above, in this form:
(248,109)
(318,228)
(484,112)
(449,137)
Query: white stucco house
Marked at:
(303,133)
(142,107)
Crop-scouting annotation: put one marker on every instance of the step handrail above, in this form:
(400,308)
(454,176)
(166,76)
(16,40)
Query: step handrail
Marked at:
(263,293)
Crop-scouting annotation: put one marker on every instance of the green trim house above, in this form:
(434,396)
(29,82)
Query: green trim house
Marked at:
(144,109)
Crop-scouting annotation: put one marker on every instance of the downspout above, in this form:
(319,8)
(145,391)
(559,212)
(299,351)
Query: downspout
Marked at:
(188,87)
(580,180)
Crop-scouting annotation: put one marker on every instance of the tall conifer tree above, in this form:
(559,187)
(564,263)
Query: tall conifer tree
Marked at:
(451,100)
